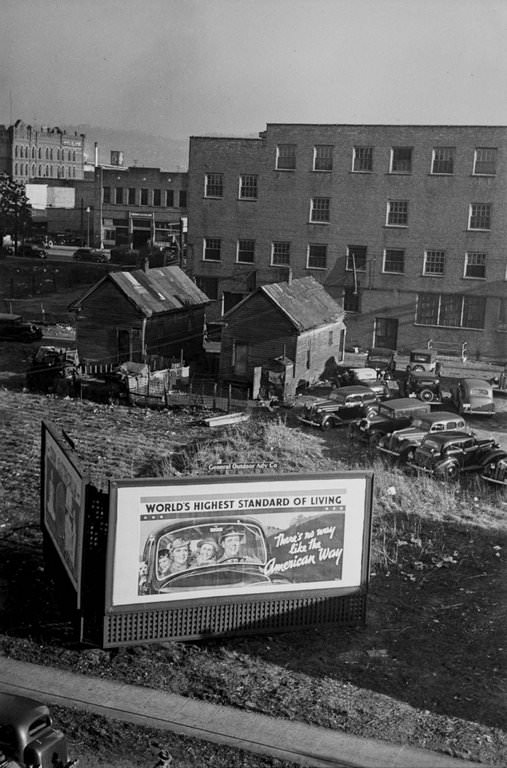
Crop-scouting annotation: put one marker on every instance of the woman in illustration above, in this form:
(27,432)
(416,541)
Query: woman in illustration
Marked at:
(142,583)
(207,552)
(179,551)
(163,563)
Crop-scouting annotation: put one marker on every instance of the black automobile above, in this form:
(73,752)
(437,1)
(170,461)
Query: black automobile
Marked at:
(14,328)
(343,406)
(382,385)
(392,414)
(98,255)
(495,471)
(425,386)
(446,455)
(27,734)
(381,359)
(32,251)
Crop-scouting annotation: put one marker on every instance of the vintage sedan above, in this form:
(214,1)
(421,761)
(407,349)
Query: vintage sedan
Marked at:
(495,471)
(426,386)
(98,255)
(402,443)
(473,396)
(447,455)
(422,359)
(384,387)
(381,359)
(343,406)
(27,734)
(398,413)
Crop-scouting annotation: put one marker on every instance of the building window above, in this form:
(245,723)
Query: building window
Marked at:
(214,185)
(362,159)
(443,160)
(183,198)
(319,212)
(397,213)
(280,254)
(246,251)
(330,339)
(119,195)
(209,286)
(356,258)
(169,198)
(323,157)
(479,216)
(434,263)
(485,161)
(132,196)
(212,246)
(394,261)
(351,299)
(248,187)
(106,193)
(157,197)
(401,160)
(40,153)
(286,157)
(475,265)
(317,256)
(450,310)
(144,196)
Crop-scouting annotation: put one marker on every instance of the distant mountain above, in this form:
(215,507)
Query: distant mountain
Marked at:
(138,148)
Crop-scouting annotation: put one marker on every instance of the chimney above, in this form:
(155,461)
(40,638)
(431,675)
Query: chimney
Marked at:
(146,263)
(289,276)
(96,146)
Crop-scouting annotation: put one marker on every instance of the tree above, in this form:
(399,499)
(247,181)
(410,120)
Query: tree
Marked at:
(15,210)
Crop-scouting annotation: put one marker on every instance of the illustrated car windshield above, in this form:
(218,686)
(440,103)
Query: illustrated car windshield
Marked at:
(209,544)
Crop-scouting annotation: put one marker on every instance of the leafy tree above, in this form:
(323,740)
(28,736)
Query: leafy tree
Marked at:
(15,210)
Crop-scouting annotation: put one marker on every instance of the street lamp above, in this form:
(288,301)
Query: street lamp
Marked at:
(88,211)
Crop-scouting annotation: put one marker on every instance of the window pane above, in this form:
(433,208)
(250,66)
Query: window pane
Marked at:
(169,198)
(485,161)
(144,197)
(474,308)
(119,195)
(286,157)
(394,260)
(401,159)
(397,213)
(475,265)
(156,197)
(280,254)
(323,158)
(248,187)
(246,251)
(317,256)
(434,263)
(351,300)
(427,308)
(443,160)
(214,185)
(212,249)
(450,310)
(320,209)
(480,216)
(356,258)
(132,196)
(363,159)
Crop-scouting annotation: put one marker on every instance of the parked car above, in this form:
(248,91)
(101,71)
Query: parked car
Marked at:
(392,415)
(14,328)
(402,443)
(381,359)
(474,396)
(447,455)
(343,406)
(422,359)
(27,734)
(425,386)
(384,388)
(495,471)
(99,255)
(33,251)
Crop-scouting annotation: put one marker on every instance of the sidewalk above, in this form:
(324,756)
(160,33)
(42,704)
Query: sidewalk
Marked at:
(287,740)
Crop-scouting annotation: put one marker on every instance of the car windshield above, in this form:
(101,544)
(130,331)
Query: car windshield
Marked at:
(421,424)
(420,357)
(365,374)
(480,392)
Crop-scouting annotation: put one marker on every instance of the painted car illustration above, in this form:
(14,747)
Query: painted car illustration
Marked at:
(210,552)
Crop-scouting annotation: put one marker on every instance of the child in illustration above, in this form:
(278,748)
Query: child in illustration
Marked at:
(142,583)
(179,550)
(207,552)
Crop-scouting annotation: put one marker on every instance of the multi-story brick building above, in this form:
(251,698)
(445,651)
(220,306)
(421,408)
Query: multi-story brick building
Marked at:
(406,223)
(41,153)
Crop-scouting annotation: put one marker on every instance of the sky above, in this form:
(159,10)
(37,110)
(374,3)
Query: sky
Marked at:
(180,68)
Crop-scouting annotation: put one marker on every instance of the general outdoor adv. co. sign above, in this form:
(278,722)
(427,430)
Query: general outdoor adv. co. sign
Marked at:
(199,539)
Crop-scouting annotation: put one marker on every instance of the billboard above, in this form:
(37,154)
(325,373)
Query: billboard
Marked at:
(175,540)
(63,496)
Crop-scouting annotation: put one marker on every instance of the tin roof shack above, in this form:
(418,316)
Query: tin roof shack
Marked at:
(139,316)
(282,336)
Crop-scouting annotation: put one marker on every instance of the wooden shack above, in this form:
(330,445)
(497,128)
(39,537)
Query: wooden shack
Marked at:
(283,335)
(141,316)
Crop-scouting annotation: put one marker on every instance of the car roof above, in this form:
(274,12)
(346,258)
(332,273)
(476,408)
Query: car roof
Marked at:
(424,375)
(355,389)
(451,436)
(473,382)
(441,416)
(405,402)
(381,351)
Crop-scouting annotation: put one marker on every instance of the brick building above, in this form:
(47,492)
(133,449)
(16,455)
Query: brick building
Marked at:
(405,223)
(41,153)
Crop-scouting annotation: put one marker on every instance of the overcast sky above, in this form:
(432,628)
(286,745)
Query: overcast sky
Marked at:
(176,68)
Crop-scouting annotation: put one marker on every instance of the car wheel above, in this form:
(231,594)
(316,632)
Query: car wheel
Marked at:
(427,395)
(327,424)
(449,471)
(407,455)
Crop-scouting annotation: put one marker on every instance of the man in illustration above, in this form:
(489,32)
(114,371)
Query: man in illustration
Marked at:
(207,552)
(232,542)
(179,550)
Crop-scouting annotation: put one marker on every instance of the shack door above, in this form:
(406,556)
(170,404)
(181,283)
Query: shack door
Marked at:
(386,332)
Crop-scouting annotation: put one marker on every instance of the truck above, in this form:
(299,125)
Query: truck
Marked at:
(14,328)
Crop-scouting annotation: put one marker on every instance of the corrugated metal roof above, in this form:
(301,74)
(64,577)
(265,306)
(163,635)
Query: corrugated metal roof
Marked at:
(305,302)
(157,290)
